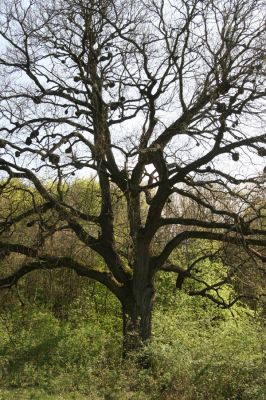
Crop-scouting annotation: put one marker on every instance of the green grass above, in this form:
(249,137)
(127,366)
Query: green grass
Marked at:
(198,352)
(36,394)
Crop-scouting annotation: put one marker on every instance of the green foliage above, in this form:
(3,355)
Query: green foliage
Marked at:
(65,342)
(201,349)
(197,349)
(84,195)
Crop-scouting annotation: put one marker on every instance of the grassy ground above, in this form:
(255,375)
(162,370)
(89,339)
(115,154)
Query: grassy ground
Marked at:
(35,394)
(198,352)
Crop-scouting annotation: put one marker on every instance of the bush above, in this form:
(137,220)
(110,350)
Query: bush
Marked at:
(198,352)
(216,354)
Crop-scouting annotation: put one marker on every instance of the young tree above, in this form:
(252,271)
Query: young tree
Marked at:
(157,100)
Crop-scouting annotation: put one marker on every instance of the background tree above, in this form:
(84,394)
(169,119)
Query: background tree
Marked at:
(158,102)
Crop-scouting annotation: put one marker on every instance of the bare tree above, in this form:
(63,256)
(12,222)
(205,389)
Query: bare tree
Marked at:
(160,101)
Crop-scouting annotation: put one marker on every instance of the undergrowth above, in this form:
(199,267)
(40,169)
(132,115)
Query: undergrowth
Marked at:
(198,352)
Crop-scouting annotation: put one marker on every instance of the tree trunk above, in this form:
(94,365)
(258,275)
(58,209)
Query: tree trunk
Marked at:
(137,316)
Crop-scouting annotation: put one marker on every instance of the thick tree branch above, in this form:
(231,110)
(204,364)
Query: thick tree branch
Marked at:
(49,262)
(240,240)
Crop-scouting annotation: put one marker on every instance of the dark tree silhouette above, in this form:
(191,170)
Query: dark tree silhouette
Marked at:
(160,102)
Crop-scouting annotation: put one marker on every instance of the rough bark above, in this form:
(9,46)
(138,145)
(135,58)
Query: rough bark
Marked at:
(136,331)
(137,317)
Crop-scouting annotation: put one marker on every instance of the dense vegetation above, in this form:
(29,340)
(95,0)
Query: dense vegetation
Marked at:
(61,334)
(61,339)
